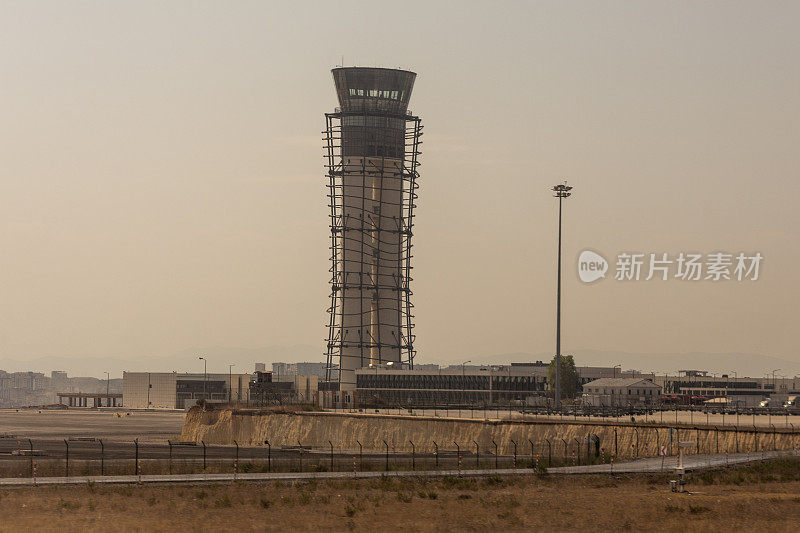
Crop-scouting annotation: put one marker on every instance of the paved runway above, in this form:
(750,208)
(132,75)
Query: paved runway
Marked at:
(147,426)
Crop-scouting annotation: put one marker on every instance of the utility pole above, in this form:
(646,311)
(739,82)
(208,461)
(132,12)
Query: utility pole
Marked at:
(108,386)
(561,191)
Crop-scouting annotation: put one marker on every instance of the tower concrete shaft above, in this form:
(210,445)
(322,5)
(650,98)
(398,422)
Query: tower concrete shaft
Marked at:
(372,144)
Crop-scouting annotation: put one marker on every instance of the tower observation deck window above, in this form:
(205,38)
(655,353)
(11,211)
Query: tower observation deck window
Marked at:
(377,93)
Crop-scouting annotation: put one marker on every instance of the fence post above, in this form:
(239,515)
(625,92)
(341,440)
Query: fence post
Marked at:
(387,454)
(360,455)
(300,450)
(495,454)
(66,457)
(136,465)
(458,451)
(716,436)
(566,452)
(644,446)
(531,442)
(658,443)
(697,437)
(236,460)
(204,454)
(616,449)
(578,449)
(436,454)
(549,453)
(636,451)
(269,456)
(413,456)
(30,449)
(736,437)
(477,455)
(331,443)
(515,452)
(169,442)
(774,444)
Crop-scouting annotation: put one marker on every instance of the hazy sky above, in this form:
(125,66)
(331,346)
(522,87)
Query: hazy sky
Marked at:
(162,187)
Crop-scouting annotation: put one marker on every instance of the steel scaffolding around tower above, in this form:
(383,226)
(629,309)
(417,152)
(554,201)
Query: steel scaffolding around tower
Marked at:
(372,150)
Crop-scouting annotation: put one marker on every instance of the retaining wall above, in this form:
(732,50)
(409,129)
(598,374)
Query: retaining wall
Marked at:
(315,429)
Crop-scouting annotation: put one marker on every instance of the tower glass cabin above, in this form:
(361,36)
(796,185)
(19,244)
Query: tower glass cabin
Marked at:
(372,148)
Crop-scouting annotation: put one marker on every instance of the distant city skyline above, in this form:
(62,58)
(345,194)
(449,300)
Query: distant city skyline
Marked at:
(162,185)
(244,360)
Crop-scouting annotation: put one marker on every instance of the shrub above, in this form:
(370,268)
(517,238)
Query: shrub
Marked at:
(225,501)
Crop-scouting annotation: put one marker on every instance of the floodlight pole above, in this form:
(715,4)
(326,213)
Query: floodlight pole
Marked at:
(561,191)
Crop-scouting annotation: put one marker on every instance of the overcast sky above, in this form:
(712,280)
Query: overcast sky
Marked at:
(162,181)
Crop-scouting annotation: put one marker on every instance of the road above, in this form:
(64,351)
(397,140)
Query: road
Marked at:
(651,465)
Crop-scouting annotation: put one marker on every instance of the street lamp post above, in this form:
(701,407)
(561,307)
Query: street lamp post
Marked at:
(561,191)
(464,380)
(230,381)
(205,376)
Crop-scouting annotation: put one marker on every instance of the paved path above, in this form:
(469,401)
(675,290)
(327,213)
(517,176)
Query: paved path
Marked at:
(691,462)
(655,464)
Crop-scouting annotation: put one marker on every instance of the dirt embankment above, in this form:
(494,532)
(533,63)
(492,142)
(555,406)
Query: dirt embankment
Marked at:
(315,429)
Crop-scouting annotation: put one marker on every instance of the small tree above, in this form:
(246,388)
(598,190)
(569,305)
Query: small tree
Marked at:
(570,381)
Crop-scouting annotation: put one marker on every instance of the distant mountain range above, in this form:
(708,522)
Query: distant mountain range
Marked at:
(754,365)
(186,360)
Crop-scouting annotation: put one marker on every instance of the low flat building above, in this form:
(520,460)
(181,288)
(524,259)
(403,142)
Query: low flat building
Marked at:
(265,390)
(621,392)
(456,386)
(171,390)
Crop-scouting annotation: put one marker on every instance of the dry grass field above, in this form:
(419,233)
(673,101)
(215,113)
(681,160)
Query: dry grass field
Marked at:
(759,496)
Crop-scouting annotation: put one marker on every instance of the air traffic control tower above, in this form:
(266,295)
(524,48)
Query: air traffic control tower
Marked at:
(372,150)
